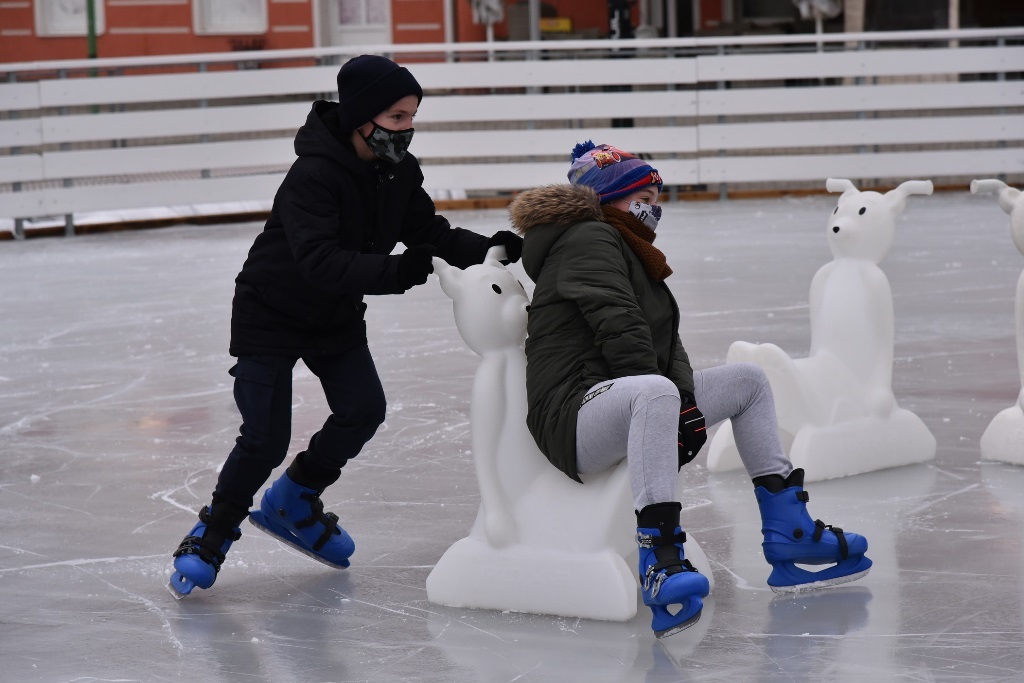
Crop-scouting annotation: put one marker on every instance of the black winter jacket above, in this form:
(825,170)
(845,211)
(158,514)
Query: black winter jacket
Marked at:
(595,315)
(328,240)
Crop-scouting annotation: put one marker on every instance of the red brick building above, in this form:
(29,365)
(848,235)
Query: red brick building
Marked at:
(37,30)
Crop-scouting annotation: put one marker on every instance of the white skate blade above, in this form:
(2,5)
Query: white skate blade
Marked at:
(293,544)
(816,585)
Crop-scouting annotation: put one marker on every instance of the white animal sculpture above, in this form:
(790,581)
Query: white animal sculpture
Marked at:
(1004,438)
(836,410)
(541,543)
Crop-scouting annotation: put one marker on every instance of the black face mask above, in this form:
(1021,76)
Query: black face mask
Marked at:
(388,145)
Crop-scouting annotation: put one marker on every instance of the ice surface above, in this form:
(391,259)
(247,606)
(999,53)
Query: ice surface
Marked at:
(116,411)
(837,412)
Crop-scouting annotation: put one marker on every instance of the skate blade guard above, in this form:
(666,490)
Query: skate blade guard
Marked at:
(266,525)
(789,578)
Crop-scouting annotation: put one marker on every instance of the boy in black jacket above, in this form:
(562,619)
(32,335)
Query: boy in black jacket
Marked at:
(353,193)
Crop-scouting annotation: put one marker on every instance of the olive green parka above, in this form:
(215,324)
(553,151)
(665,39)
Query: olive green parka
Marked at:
(596,314)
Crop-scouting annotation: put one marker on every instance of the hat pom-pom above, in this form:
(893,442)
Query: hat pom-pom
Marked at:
(582,148)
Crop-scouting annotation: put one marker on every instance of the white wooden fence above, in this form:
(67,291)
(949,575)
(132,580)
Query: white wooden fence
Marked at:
(106,135)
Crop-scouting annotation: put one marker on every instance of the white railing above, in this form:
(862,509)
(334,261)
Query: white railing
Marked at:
(102,135)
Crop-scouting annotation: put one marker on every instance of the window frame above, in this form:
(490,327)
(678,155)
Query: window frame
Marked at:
(202,27)
(46,28)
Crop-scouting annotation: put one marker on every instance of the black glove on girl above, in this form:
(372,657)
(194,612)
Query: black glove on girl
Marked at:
(692,430)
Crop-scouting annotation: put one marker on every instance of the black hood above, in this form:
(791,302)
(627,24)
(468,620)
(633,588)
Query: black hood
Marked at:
(321,136)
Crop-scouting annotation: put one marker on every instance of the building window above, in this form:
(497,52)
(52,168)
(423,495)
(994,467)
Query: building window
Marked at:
(230,17)
(66,17)
(354,13)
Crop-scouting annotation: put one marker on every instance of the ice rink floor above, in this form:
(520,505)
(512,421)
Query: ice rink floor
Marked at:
(116,411)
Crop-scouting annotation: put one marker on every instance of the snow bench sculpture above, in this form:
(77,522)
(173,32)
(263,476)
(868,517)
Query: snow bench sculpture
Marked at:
(541,543)
(1004,438)
(836,407)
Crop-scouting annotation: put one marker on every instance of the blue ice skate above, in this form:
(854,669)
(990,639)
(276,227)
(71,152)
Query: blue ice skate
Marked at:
(791,538)
(666,576)
(200,555)
(295,515)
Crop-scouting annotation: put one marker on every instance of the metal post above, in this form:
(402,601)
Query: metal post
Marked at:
(19,223)
(1001,77)
(69,218)
(859,80)
(204,173)
(723,188)
(534,13)
(90,17)
(620,28)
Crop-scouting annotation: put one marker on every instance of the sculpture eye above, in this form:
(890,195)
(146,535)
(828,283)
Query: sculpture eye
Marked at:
(496,288)
(836,210)
(862,210)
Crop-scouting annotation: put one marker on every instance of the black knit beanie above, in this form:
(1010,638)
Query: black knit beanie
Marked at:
(369,84)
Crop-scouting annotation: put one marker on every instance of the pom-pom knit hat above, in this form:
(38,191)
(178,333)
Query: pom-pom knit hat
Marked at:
(369,84)
(610,171)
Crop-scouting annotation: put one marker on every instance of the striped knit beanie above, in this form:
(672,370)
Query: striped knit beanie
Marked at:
(612,172)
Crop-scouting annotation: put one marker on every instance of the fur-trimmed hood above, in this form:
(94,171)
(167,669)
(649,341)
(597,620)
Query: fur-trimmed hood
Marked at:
(561,204)
(545,214)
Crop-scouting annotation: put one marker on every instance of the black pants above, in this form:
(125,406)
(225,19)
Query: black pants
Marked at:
(263,393)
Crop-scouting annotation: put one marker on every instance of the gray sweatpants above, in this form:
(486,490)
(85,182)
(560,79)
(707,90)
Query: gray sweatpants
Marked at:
(638,417)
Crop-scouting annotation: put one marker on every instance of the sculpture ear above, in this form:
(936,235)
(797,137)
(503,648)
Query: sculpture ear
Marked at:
(1008,198)
(897,197)
(909,187)
(840,185)
(1007,195)
(448,275)
(495,255)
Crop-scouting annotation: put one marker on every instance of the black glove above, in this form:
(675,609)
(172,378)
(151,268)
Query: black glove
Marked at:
(692,430)
(414,265)
(512,242)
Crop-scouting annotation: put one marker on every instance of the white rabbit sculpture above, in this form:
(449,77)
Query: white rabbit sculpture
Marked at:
(541,543)
(1004,438)
(836,410)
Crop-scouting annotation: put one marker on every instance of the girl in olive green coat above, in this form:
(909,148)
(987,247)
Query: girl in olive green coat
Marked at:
(608,378)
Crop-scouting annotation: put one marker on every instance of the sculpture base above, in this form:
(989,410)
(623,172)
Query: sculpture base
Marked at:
(1003,439)
(521,578)
(541,580)
(840,450)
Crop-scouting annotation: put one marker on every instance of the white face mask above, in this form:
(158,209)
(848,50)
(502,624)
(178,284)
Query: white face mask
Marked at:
(648,215)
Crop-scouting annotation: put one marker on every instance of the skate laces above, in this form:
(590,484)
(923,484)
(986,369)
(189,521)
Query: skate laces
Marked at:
(657,573)
(819,529)
(328,519)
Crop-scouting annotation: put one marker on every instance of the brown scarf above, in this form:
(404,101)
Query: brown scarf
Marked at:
(639,238)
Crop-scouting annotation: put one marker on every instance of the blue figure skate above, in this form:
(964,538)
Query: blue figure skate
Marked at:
(791,537)
(666,576)
(295,515)
(200,555)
